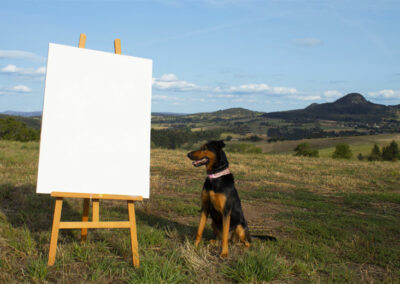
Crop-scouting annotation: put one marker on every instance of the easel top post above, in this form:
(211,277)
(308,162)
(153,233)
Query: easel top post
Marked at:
(117,46)
(82,41)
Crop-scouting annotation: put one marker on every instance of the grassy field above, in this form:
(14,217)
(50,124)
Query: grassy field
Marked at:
(335,221)
(326,146)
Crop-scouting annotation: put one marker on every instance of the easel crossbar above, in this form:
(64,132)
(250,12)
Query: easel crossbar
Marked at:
(95,225)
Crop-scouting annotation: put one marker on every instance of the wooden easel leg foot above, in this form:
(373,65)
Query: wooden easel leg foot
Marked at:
(54,231)
(134,242)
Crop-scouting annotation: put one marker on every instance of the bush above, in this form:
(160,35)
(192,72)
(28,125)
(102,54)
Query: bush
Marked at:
(243,148)
(342,151)
(12,129)
(390,152)
(305,150)
(254,138)
(360,157)
(375,154)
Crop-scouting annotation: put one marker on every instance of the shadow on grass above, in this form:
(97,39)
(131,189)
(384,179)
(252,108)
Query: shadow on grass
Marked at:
(155,220)
(184,231)
(24,207)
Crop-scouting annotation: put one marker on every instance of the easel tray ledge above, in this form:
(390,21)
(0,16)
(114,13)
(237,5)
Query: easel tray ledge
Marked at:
(95,196)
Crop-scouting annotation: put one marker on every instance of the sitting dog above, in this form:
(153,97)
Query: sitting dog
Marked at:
(219,197)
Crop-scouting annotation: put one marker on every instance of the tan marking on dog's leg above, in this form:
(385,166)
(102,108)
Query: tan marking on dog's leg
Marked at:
(241,233)
(205,198)
(200,230)
(225,235)
(203,218)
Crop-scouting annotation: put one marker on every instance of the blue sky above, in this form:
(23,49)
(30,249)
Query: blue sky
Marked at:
(215,54)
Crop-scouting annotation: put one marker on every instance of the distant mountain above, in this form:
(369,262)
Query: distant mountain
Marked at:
(168,114)
(351,107)
(22,113)
(229,113)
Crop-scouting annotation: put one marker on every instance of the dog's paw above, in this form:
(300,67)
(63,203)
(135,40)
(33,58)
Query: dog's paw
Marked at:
(213,242)
(196,243)
(247,244)
(223,254)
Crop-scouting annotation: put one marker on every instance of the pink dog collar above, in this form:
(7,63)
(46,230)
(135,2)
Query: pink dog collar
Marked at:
(220,174)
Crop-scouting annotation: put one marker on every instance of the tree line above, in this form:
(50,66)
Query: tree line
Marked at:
(389,152)
(175,138)
(12,129)
(286,133)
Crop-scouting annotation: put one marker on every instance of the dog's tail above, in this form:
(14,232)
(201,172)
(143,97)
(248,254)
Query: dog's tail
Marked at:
(264,238)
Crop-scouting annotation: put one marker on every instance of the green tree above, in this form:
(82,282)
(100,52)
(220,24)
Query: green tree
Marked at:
(390,152)
(304,149)
(12,129)
(375,154)
(342,151)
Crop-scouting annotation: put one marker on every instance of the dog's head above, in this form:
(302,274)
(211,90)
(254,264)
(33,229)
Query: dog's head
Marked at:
(211,155)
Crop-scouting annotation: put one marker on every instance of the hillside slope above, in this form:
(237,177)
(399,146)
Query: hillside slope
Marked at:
(352,107)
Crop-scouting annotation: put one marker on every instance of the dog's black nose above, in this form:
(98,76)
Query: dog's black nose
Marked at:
(189,155)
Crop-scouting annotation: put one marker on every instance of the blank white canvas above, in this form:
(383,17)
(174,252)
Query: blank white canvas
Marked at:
(96,123)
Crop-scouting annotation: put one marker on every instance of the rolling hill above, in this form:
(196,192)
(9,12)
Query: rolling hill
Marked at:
(352,107)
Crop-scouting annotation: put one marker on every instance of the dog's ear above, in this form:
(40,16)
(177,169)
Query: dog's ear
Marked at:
(221,144)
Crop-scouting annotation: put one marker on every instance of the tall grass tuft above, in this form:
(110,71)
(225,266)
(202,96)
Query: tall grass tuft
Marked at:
(256,265)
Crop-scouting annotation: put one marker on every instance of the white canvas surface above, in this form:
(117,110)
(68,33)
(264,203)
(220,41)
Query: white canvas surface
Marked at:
(96,123)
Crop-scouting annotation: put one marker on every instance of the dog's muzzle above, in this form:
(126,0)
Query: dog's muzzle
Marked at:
(197,163)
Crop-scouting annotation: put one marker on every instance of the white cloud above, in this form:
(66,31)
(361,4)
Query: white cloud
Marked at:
(19,89)
(243,100)
(226,96)
(386,94)
(164,98)
(25,72)
(168,77)
(306,98)
(332,94)
(308,41)
(170,82)
(19,54)
(256,88)
(159,97)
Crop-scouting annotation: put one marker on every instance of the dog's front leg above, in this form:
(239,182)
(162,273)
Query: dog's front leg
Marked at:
(202,224)
(226,221)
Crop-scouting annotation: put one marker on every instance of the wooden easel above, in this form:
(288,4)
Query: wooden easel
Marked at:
(95,223)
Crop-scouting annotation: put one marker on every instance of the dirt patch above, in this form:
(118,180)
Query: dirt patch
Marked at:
(261,217)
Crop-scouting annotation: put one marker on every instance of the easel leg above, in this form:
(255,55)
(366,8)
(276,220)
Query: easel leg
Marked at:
(54,231)
(134,242)
(85,218)
(95,210)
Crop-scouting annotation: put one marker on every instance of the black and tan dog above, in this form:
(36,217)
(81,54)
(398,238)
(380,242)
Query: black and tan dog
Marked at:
(219,197)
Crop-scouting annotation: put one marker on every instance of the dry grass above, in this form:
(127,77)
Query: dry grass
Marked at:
(336,221)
